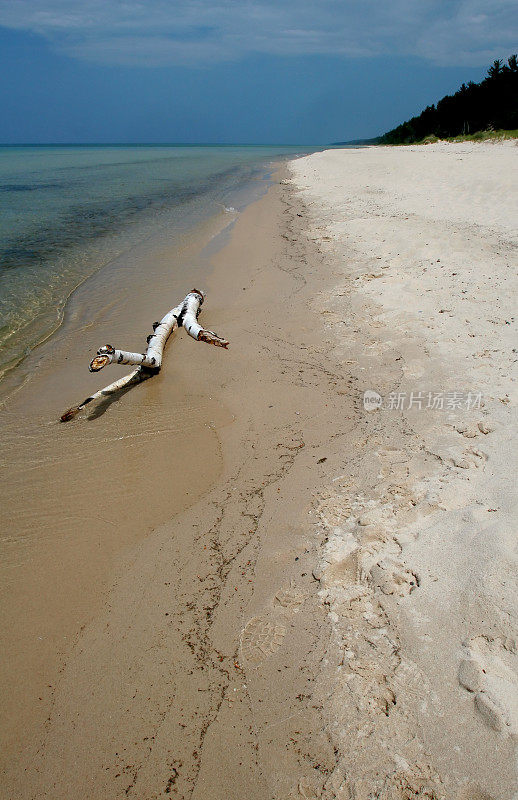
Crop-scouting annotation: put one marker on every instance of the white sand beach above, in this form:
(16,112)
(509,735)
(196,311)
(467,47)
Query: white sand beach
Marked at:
(321,600)
(419,571)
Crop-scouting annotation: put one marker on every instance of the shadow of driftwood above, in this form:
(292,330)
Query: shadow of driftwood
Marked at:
(104,404)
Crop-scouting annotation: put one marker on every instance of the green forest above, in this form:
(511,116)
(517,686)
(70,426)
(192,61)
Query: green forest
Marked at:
(489,105)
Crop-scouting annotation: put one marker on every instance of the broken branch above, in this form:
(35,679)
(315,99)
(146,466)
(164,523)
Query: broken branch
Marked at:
(149,363)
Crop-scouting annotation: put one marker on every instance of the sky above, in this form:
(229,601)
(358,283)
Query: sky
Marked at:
(237,71)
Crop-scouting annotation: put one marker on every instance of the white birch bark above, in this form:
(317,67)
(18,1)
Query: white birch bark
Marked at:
(152,358)
(192,307)
(149,363)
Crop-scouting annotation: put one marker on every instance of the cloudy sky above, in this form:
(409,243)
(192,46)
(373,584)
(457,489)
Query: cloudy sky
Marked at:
(248,70)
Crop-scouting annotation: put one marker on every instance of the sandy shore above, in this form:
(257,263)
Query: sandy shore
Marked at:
(419,571)
(318,600)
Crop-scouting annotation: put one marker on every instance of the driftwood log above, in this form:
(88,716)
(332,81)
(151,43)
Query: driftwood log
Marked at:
(149,363)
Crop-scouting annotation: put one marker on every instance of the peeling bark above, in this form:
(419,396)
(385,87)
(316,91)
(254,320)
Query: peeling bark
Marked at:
(149,363)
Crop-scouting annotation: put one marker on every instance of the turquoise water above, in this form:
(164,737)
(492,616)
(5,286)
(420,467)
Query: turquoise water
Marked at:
(65,212)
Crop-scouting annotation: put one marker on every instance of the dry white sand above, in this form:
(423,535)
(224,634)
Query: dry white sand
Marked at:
(419,570)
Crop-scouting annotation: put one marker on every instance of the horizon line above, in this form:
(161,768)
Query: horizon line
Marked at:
(163,144)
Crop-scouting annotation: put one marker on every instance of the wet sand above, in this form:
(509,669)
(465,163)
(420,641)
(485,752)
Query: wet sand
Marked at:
(236,581)
(75,496)
(152,535)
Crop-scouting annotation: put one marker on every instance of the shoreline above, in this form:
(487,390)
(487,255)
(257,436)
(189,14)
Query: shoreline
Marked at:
(237,420)
(61,544)
(94,245)
(10,375)
(299,629)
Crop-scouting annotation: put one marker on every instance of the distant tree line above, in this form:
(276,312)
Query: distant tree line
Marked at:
(491,104)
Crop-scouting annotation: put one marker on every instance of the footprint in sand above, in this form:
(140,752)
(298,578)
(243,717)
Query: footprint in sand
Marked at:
(468,431)
(342,568)
(289,598)
(486,426)
(488,669)
(417,781)
(470,458)
(260,639)
(479,456)
(471,431)
(306,790)
(263,635)
(392,577)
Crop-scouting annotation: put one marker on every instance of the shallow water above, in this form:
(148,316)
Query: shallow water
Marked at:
(66,212)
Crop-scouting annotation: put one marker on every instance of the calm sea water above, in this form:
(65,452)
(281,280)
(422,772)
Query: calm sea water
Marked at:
(65,212)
